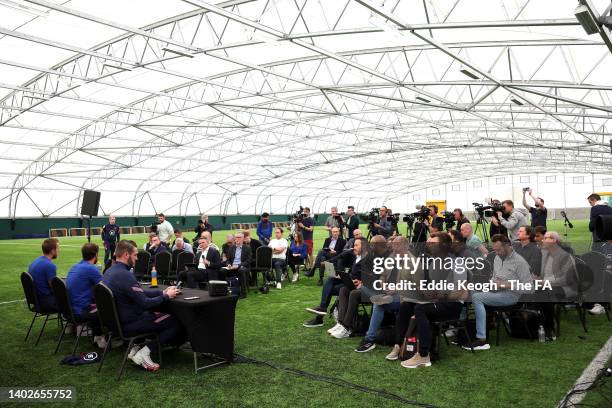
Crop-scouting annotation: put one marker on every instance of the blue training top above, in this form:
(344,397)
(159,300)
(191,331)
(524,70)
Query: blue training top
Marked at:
(82,278)
(42,271)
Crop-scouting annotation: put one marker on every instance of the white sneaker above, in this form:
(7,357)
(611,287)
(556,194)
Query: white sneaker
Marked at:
(100,341)
(342,333)
(333,329)
(143,358)
(451,332)
(295,277)
(133,352)
(69,328)
(279,286)
(597,309)
(283,276)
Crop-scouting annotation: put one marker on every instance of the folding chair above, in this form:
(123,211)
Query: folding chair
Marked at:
(141,268)
(33,305)
(263,262)
(62,298)
(183,259)
(163,262)
(109,319)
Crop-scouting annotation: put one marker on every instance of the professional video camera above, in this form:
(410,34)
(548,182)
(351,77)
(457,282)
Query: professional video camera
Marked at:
(449,220)
(420,215)
(298,216)
(488,210)
(373,217)
(394,218)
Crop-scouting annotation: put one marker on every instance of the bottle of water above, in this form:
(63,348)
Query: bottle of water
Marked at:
(153,277)
(541,334)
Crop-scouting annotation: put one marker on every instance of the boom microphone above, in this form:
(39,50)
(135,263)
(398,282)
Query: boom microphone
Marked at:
(569,224)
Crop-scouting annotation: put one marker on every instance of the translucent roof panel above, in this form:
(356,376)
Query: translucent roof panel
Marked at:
(188,106)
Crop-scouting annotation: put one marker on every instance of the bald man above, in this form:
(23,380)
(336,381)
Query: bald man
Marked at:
(471,240)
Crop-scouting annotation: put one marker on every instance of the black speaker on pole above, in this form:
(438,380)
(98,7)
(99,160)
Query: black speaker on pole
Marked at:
(91,202)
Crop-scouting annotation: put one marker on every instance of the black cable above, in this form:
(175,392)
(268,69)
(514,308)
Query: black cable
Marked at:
(596,385)
(238,358)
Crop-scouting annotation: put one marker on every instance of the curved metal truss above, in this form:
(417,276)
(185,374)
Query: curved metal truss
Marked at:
(281,99)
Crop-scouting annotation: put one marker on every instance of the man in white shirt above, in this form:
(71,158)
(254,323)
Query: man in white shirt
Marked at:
(279,254)
(164,229)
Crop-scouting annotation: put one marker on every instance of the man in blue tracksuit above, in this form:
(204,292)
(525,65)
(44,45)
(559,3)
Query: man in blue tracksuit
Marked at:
(42,271)
(110,237)
(264,229)
(135,305)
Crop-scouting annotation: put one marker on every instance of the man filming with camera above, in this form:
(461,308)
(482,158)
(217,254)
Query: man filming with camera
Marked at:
(514,221)
(352,222)
(335,220)
(459,218)
(384,226)
(435,223)
(306,227)
(538,212)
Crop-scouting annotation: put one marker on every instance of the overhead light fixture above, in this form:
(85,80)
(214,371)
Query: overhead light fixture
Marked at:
(586,19)
(23,8)
(177,52)
(118,67)
(468,73)
(420,98)
(517,101)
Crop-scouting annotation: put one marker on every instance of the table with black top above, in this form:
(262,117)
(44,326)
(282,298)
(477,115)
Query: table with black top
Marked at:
(209,322)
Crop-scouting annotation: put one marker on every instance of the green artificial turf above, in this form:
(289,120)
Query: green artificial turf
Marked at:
(518,373)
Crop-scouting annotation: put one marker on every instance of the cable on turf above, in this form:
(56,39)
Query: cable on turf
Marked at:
(597,385)
(238,358)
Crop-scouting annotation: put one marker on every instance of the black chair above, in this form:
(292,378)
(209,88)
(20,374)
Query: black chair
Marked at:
(599,292)
(182,259)
(34,306)
(141,268)
(62,298)
(263,262)
(175,255)
(440,327)
(163,265)
(109,320)
(499,315)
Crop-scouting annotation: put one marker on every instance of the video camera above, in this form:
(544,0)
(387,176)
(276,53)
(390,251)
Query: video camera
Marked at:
(449,220)
(488,210)
(372,218)
(420,215)
(298,216)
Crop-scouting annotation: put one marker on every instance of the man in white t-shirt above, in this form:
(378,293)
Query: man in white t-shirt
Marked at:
(164,229)
(279,254)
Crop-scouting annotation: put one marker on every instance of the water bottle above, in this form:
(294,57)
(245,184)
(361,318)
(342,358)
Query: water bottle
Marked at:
(541,334)
(153,277)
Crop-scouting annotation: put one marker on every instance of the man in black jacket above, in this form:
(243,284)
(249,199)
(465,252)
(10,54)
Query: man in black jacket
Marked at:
(238,263)
(352,222)
(331,247)
(598,207)
(208,262)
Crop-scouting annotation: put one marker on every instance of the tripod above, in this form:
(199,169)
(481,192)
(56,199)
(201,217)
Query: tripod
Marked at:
(566,224)
(481,223)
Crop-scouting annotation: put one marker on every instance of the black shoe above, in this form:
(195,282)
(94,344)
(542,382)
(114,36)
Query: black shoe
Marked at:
(320,282)
(477,345)
(317,310)
(309,272)
(365,346)
(316,321)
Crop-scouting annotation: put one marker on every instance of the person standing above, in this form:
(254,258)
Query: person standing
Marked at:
(164,229)
(598,207)
(352,222)
(110,236)
(264,229)
(538,213)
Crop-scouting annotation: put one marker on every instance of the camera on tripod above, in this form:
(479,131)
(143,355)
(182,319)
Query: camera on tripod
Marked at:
(419,216)
(372,218)
(488,210)
(298,216)
(525,189)
(449,219)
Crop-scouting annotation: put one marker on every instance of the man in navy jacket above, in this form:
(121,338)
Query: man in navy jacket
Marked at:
(598,207)
(135,305)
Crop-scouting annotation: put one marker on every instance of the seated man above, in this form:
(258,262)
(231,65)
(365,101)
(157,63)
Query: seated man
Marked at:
(42,271)
(471,240)
(238,263)
(208,260)
(182,246)
(81,279)
(332,246)
(156,246)
(346,257)
(279,254)
(559,269)
(135,307)
(253,244)
(528,249)
(227,245)
(507,266)
(348,300)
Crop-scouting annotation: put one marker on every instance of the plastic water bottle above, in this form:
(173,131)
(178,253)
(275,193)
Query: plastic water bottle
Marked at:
(541,334)
(153,278)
